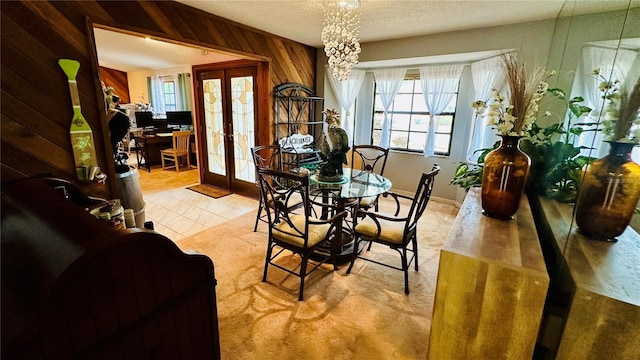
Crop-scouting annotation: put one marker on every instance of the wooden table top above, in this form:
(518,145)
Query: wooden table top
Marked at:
(610,269)
(513,243)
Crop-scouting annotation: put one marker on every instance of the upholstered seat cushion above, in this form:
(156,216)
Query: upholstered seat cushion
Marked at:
(391,231)
(367,201)
(317,233)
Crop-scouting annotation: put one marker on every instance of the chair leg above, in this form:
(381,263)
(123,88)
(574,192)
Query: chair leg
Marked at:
(303,274)
(176,160)
(415,251)
(356,245)
(188,161)
(267,261)
(255,227)
(163,160)
(405,268)
(260,205)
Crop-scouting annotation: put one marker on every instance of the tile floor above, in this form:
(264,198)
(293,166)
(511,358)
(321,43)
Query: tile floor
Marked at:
(178,213)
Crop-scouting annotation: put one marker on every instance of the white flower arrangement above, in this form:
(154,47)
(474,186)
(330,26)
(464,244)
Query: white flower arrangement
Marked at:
(519,115)
(621,119)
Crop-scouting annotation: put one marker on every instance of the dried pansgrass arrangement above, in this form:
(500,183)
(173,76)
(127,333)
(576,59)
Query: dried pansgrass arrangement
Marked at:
(525,91)
(628,112)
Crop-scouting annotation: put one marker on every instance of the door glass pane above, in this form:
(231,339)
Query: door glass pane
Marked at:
(213,118)
(243,131)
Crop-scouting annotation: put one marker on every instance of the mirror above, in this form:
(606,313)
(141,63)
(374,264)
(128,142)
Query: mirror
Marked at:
(594,293)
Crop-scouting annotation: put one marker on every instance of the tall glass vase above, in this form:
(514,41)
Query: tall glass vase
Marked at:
(609,193)
(503,178)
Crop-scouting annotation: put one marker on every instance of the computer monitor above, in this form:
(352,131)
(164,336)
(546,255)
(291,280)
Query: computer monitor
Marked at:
(179,119)
(144,119)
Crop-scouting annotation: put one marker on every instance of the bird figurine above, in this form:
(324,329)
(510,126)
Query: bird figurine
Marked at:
(334,148)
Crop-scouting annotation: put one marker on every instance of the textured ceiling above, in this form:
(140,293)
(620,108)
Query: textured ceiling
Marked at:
(302,20)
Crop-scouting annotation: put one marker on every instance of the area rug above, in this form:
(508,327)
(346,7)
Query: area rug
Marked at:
(362,315)
(209,190)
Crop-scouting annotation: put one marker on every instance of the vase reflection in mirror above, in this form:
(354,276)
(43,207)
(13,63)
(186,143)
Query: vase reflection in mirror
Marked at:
(608,194)
(503,178)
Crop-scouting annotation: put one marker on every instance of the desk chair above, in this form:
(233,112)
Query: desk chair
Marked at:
(299,233)
(180,149)
(370,158)
(396,232)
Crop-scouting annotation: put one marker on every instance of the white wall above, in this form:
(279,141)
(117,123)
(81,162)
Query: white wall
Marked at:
(138,80)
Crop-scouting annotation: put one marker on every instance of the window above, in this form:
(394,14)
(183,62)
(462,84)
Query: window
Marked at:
(169,93)
(409,120)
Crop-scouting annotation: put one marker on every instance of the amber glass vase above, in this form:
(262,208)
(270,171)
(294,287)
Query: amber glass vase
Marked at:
(503,178)
(608,195)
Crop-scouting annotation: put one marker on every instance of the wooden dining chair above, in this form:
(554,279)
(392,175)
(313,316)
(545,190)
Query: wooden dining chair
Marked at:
(373,159)
(180,148)
(397,231)
(301,232)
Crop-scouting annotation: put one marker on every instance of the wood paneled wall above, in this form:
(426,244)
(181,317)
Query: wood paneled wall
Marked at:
(118,81)
(36,106)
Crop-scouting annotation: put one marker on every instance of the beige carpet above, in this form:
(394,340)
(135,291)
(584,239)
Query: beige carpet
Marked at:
(363,315)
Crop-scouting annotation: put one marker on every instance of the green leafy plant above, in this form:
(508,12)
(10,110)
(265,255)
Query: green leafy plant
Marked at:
(556,163)
(470,175)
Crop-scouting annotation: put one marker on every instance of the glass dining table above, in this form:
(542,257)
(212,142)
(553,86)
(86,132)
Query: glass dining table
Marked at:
(337,196)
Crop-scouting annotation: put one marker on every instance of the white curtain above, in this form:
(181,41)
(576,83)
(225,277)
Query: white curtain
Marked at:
(613,65)
(184,91)
(346,91)
(157,95)
(388,82)
(486,74)
(439,84)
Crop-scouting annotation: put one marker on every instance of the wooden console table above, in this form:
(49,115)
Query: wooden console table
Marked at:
(602,281)
(491,288)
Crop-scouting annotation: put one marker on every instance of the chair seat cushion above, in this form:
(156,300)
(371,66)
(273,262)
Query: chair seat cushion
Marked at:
(317,233)
(391,231)
(367,201)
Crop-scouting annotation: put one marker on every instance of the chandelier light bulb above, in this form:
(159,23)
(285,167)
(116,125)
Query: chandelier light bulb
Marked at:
(340,38)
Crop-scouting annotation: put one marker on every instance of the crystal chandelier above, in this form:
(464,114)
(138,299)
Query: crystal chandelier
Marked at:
(340,37)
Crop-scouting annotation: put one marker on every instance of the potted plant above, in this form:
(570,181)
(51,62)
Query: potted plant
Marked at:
(556,162)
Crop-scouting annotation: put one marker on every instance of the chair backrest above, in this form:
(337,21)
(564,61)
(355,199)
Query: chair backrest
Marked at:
(370,158)
(181,140)
(266,157)
(282,190)
(421,198)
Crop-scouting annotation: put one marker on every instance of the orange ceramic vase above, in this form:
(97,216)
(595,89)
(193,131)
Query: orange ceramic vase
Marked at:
(503,178)
(608,195)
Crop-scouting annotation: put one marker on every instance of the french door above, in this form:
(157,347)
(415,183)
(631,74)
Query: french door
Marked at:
(228,104)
